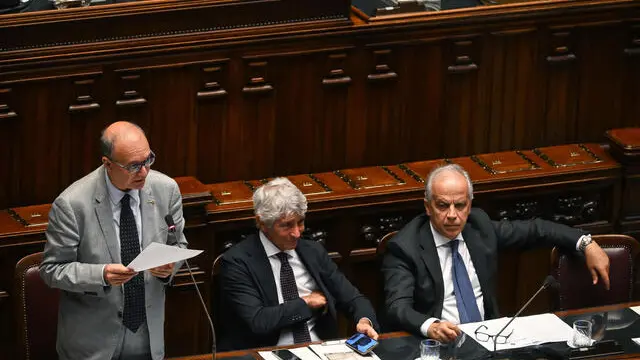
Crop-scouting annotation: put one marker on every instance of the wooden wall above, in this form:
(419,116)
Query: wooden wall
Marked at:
(297,100)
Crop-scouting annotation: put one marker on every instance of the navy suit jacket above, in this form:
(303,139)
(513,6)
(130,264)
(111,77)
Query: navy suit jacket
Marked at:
(414,286)
(252,315)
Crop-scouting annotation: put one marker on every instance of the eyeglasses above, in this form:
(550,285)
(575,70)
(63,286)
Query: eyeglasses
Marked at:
(136,167)
(482,335)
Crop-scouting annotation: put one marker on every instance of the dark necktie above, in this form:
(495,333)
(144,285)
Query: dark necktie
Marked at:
(290,292)
(465,299)
(134,308)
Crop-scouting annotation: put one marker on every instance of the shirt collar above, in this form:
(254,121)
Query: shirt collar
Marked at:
(270,248)
(440,239)
(116,194)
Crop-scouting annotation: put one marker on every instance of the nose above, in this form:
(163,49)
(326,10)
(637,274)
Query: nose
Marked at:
(451,213)
(297,231)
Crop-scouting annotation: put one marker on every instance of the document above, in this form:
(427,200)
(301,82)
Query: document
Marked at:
(337,350)
(304,353)
(525,331)
(157,254)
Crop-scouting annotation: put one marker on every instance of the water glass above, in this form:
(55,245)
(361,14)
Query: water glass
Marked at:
(430,349)
(582,333)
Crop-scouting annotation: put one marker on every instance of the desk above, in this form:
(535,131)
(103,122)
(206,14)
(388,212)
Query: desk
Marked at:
(613,322)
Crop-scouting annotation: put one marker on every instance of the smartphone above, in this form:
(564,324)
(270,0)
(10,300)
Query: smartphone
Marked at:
(361,343)
(285,355)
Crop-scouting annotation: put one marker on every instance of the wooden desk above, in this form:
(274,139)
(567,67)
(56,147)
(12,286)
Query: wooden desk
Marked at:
(622,333)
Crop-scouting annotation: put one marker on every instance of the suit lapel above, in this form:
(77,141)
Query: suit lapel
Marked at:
(105,217)
(149,216)
(429,256)
(309,262)
(261,268)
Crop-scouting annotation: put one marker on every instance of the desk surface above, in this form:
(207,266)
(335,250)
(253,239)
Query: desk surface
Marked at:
(613,322)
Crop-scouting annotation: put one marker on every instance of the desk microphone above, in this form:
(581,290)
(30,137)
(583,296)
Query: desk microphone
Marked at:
(171,229)
(549,281)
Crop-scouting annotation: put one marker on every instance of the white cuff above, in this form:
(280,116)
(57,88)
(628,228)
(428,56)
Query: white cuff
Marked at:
(424,328)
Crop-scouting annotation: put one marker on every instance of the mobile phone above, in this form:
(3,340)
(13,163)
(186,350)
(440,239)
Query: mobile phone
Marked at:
(285,355)
(361,343)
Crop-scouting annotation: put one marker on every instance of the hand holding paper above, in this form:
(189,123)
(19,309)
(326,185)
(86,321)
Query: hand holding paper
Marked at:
(157,254)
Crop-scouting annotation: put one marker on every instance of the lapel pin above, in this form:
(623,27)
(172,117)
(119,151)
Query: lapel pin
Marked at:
(151,202)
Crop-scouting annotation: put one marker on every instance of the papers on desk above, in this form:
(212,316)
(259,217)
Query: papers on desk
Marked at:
(330,350)
(303,353)
(337,350)
(157,254)
(527,331)
(636,309)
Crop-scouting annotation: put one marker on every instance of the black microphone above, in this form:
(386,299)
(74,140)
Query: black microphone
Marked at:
(549,281)
(171,228)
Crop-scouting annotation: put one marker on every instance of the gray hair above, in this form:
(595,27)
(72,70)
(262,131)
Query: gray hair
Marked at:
(428,188)
(276,199)
(106,142)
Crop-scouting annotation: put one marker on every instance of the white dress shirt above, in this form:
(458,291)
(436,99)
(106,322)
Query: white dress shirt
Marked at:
(115,196)
(449,307)
(305,282)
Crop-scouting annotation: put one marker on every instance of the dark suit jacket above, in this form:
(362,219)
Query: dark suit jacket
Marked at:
(254,318)
(414,289)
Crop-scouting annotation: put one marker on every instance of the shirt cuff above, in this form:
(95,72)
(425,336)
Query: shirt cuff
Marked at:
(424,328)
(104,281)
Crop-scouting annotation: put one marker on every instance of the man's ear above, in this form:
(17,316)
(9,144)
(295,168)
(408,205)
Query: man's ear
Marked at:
(105,161)
(426,207)
(259,224)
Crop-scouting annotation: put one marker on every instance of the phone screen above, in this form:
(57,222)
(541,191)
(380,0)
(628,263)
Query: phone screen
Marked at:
(285,355)
(361,343)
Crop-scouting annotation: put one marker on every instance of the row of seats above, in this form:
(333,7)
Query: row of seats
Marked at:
(37,304)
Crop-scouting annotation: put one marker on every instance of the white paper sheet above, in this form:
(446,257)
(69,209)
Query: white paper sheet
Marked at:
(303,353)
(636,309)
(157,254)
(337,350)
(527,331)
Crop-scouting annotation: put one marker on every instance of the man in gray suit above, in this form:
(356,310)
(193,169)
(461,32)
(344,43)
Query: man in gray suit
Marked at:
(100,222)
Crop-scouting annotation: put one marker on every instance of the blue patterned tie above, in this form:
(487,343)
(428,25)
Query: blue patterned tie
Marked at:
(134,308)
(465,299)
(290,292)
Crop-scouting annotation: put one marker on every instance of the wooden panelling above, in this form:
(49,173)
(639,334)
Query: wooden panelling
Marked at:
(305,99)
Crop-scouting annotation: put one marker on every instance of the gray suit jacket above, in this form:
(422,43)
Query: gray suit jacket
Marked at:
(81,239)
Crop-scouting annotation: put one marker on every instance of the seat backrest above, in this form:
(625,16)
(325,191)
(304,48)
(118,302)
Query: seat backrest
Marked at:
(36,309)
(382,243)
(576,289)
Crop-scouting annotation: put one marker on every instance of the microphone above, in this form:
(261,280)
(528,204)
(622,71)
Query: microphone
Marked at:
(549,281)
(171,229)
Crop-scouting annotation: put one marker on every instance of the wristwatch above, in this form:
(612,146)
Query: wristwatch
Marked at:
(585,240)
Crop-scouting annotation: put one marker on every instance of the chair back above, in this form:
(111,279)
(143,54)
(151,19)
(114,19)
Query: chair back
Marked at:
(382,243)
(36,309)
(575,283)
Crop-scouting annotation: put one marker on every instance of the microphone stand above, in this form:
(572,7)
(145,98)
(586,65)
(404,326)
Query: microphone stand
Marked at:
(495,338)
(171,228)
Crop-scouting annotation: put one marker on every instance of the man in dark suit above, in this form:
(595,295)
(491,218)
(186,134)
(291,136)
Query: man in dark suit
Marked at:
(280,289)
(440,269)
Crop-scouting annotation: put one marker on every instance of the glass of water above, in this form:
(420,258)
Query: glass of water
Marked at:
(582,333)
(430,349)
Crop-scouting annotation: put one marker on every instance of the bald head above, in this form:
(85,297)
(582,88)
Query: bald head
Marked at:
(119,131)
(124,146)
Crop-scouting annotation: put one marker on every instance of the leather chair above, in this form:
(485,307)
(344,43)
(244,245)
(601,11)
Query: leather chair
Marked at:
(575,284)
(36,309)
(382,243)
(380,308)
